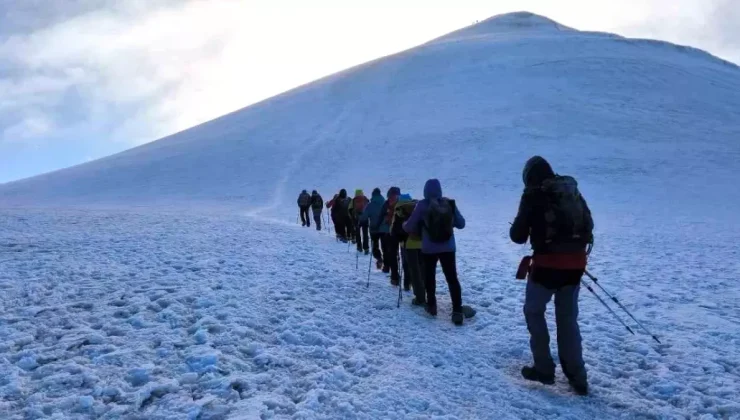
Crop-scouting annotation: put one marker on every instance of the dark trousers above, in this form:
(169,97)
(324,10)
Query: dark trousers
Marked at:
(390,256)
(375,238)
(349,228)
(449,268)
(317,218)
(305,219)
(361,233)
(413,272)
(339,227)
(566,320)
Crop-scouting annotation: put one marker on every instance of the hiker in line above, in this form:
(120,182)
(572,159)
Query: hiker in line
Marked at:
(372,215)
(360,224)
(340,215)
(317,206)
(330,206)
(435,218)
(557,221)
(390,245)
(304,202)
(410,249)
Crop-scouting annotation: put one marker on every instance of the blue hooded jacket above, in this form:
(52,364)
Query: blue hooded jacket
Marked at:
(415,224)
(372,211)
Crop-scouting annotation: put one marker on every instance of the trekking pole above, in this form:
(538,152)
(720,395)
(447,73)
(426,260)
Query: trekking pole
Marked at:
(615,300)
(400,278)
(369,265)
(357,261)
(588,286)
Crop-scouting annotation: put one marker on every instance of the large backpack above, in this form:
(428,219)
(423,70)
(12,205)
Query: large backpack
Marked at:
(304,200)
(440,219)
(358,204)
(317,202)
(567,217)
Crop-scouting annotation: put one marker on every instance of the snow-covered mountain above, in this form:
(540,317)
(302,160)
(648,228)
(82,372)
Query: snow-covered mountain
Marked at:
(127,294)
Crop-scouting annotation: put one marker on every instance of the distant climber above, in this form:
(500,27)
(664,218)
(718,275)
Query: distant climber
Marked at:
(359,223)
(304,202)
(410,249)
(555,218)
(372,215)
(340,215)
(317,206)
(435,218)
(390,244)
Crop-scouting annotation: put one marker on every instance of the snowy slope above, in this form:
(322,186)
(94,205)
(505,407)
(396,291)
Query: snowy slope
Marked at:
(206,295)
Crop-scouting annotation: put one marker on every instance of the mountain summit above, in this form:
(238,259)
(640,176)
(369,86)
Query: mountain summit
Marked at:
(520,23)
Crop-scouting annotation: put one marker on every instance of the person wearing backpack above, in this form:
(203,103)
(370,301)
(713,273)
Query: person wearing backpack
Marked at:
(340,215)
(410,249)
(556,220)
(304,203)
(435,218)
(390,244)
(330,206)
(372,215)
(317,206)
(358,206)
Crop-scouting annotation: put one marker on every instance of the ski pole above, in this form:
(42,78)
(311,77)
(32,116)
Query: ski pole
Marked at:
(615,300)
(588,286)
(357,261)
(369,265)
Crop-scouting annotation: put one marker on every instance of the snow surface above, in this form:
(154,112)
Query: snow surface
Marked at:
(171,281)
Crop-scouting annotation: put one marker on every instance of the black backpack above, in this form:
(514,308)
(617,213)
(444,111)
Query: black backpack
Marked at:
(317,203)
(304,200)
(567,217)
(440,219)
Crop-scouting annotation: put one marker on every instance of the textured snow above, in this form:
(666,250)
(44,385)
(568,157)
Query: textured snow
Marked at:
(171,281)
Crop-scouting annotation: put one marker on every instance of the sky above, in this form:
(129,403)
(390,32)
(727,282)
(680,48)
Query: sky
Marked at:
(83,79)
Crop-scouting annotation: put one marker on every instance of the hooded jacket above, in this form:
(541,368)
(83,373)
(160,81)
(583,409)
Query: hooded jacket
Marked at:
(372,211)
(339,205)
(415,224)
(317,202)
(529,223)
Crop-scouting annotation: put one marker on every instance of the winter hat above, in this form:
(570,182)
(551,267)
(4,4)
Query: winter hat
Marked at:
(376,191)
(342,193)
(314,192)
(359,193)
(393,191)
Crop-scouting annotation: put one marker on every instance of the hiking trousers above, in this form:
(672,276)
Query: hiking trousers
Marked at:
(390,256)
(339,227)
(449,268)
(361,233)
(566,318)
(305,220)
(413,265)
(375,239)
(317,218)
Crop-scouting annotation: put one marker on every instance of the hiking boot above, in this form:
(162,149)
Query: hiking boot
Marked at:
(379,264)
(386,269)
(431,309)
(579,388)
(407,287)
(531,374)
(394,282)
(457,318)
(367,252)
(418,302)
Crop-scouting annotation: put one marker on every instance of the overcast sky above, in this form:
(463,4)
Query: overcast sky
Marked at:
(81,79)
